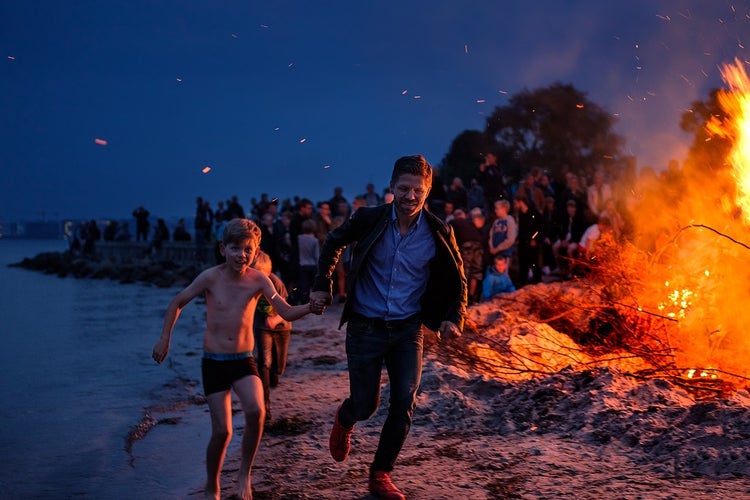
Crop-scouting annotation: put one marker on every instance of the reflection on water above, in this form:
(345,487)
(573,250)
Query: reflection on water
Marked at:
(77,376)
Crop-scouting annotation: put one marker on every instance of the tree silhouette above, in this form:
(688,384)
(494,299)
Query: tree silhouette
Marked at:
(557,128)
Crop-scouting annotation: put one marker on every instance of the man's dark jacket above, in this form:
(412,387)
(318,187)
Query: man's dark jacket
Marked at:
(445,296)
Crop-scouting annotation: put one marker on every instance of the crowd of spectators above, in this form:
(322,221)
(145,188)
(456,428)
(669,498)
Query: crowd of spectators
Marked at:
(538,228)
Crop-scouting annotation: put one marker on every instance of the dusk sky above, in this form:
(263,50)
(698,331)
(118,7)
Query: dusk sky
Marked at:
(111,104)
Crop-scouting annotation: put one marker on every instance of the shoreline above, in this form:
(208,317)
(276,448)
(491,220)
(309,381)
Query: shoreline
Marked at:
(593,432)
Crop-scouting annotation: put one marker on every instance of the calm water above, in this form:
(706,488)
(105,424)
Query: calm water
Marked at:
(77,376)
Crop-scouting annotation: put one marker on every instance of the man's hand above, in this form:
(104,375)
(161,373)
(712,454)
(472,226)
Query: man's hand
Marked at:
(448,331)
(319,301)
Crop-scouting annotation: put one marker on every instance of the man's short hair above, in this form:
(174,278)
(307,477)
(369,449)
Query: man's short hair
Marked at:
(414,165)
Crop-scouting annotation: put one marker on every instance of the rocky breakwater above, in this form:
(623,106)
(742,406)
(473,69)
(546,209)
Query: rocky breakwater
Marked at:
(161,273)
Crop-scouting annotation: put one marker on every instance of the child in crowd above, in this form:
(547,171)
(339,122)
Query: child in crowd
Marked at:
(504,230)
(231,289)
(496,279)
(272,333)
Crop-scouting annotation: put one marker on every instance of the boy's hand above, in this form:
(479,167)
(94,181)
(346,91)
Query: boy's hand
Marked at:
(160,351)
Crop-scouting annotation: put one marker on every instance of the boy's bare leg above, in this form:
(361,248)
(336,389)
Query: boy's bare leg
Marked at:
(249,390)
(220,407)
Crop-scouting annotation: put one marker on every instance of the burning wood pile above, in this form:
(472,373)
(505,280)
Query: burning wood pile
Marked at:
(673,302)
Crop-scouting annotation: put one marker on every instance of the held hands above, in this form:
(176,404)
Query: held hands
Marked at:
(319,301)
(448,331)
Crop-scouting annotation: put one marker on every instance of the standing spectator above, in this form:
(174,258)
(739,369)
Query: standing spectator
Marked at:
(110,230)
(161,234)
(203,225)
(91,235)
(503,231)
(180,232)
(303,212)
(475,195)
(435,199)
(574,191)
(470,241)
(529,231)
(338,197)
(406,271)
(490,177)
(141,223)
(285,246)
(372,199)
(235,209)
(309,252)
(549,219)
(531,192)
(357,203)
(457,194)
(269,240)
(323,220)
(220,214)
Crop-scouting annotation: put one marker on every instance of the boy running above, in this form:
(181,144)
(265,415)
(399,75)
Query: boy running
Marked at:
(232,289)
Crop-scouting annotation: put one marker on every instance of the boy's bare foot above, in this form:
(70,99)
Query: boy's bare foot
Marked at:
(246,489)
(212,495)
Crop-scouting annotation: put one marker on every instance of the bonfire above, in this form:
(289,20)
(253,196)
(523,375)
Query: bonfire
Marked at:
(672,302)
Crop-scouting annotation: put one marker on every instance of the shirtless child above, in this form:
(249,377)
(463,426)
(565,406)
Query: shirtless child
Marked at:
(232,290)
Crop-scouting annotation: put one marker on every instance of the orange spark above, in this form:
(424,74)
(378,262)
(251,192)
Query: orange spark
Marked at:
(206,169)
(100,142)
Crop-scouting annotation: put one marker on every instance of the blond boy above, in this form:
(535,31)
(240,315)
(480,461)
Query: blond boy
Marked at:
(231,289)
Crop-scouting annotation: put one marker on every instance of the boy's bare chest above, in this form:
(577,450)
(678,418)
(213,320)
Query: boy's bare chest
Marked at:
(236,296)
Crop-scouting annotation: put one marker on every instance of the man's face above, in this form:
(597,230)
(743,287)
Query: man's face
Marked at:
(410,192)
(306,210)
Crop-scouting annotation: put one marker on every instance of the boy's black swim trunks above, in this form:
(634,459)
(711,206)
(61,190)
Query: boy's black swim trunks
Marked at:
(220,371)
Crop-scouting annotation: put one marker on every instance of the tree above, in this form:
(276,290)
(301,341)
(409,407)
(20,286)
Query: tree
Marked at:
(554,127)
(465,154)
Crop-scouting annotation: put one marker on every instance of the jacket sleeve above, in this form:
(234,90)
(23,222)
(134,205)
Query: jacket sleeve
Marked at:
(330,251)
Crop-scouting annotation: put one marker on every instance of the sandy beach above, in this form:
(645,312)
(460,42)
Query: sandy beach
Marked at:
(575,434)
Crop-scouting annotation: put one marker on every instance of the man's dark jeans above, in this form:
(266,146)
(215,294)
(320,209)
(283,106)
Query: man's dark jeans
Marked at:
(369,344)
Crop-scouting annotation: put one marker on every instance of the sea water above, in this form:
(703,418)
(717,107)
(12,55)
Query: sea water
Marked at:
(78,378)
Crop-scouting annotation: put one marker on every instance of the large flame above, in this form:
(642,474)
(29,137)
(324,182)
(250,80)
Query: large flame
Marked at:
(697,223)
(735,101)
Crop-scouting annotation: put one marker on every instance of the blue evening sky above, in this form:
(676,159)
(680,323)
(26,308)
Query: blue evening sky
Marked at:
(293,97)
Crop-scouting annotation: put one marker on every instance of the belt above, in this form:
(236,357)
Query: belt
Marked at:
(387,323)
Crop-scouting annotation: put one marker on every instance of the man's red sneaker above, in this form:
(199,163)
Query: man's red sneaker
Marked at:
(340,441)
(382,486)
